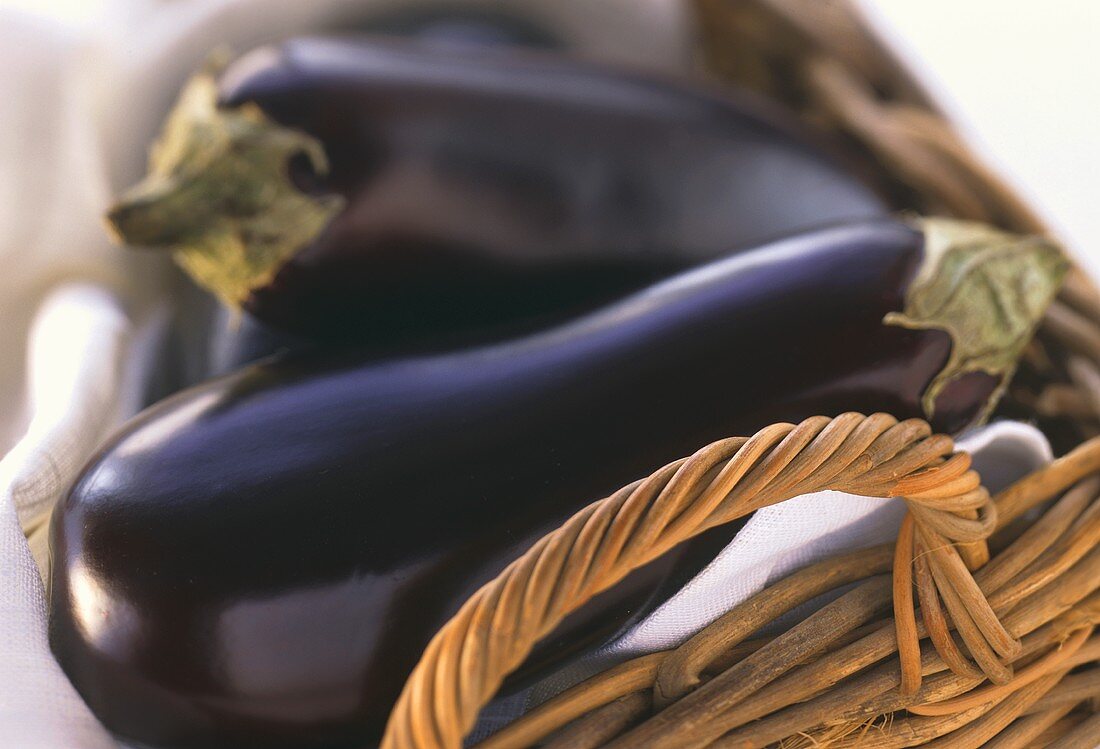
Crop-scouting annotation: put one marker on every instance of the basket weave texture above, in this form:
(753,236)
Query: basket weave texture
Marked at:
(974,629)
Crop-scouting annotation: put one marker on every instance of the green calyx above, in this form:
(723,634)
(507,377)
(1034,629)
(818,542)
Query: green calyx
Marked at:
(988,290)
(219,195)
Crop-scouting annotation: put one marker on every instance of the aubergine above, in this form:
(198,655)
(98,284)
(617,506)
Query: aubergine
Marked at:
(259,561)
(463,26)
(417,198)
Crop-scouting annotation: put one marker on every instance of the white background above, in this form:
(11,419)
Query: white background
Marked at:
(1021,76)
(1023,79)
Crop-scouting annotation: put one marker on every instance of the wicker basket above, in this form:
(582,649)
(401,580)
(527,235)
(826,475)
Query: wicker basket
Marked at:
(975,629)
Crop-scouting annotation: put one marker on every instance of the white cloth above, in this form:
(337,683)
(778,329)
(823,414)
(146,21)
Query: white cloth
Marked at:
(79,378)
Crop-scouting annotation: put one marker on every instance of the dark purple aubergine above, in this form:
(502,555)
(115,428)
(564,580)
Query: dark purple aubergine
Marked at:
(259,561)
(412,197)
(462,26)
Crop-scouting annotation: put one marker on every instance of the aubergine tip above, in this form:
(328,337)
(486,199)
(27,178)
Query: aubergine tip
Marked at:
(988,290)
(219,194)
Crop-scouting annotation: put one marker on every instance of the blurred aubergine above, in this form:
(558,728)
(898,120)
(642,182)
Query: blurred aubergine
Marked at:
(465,26)
(259,561)
(416,197)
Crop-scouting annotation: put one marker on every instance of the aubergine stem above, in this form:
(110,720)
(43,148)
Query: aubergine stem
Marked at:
(986,288)
(218,183)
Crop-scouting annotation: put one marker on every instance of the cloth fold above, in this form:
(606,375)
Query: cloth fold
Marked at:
(79,348)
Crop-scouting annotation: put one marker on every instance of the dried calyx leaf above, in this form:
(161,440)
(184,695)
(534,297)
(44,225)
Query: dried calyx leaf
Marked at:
(988,290)
(219,194)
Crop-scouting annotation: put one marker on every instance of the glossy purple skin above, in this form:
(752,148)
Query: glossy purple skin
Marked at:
(491,191)
(470,27)
(260,560)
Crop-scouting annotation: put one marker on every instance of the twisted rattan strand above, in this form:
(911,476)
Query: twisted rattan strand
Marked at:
(1025,732)
(603,723)
(1070,691)
(1081,736)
